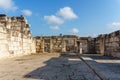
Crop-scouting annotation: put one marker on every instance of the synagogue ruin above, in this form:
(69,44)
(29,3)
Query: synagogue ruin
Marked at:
(16,40)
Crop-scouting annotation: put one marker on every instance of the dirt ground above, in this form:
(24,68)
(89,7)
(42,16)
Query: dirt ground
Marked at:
(45,67)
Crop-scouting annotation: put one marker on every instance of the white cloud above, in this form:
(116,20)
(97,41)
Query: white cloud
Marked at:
(67,13)
(26,12)
(54,27)
(8,5)
(74,31)
(60,17)
(114,25)
(53,19)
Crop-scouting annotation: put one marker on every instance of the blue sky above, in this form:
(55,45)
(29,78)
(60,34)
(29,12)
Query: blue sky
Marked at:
(80,17)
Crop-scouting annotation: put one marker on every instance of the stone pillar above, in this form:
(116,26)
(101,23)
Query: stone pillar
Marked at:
(42,45)
(102,46)
(63,46)
(75,45)
(80,48)
(51,46)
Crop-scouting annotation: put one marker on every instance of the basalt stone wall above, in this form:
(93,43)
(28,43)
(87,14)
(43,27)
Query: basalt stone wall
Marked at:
(14,43)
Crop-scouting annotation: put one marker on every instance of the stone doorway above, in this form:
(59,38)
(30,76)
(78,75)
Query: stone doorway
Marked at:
(47,45)
(70,45)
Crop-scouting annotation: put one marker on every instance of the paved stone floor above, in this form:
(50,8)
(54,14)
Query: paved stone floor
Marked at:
(45,67)
(108,67)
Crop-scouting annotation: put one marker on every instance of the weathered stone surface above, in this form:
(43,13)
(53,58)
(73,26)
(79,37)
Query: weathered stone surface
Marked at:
(107,67)
(45,67)
(13,40)
(108,44)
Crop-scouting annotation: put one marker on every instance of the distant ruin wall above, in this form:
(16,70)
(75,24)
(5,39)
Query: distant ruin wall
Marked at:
(112,44)
(109,44)
(14,43)
(57,44)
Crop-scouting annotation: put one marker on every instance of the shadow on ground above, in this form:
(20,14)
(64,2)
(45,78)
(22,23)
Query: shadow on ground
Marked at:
(70,67)
(65,67)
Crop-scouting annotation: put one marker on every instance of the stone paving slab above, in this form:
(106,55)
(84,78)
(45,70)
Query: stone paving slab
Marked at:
(45,67)
(108,67)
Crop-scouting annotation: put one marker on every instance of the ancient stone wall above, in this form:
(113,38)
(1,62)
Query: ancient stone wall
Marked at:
(13,44)
(13,41)
(112,44)
(108,44)
(57,44)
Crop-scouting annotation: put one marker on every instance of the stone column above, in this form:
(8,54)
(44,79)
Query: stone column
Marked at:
(102,46)
(63,46)
(51,45)
(75,45)
(42,46)
(80,48)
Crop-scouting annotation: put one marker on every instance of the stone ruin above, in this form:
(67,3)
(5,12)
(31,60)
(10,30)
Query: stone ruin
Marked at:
(16,40)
